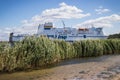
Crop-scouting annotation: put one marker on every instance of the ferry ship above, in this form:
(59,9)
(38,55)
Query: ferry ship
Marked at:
(65,33)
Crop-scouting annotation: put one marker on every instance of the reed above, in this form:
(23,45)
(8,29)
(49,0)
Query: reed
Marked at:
(35,52)
(111,46)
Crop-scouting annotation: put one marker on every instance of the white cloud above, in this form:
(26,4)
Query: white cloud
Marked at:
(64,11)
(4,34)
(4,37)
(102,10)
(106,21)
(50,15)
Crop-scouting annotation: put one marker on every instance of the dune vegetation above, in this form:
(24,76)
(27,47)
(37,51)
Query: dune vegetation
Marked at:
(32,53)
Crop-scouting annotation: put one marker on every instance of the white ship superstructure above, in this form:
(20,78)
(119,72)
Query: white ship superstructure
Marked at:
(67,33)
(70,34)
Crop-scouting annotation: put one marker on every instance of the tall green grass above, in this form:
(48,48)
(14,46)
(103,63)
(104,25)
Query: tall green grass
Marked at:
(36,52)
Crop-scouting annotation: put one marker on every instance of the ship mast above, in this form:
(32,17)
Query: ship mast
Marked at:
(63,24)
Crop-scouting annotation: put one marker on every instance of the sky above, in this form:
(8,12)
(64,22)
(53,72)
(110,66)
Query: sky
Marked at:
(24,16)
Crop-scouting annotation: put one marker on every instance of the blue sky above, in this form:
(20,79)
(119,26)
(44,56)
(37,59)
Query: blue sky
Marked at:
(24,15)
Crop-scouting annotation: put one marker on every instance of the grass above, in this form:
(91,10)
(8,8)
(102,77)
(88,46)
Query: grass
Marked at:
(36,52)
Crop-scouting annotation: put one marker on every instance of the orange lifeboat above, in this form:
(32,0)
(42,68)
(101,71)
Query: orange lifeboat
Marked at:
(83,29)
